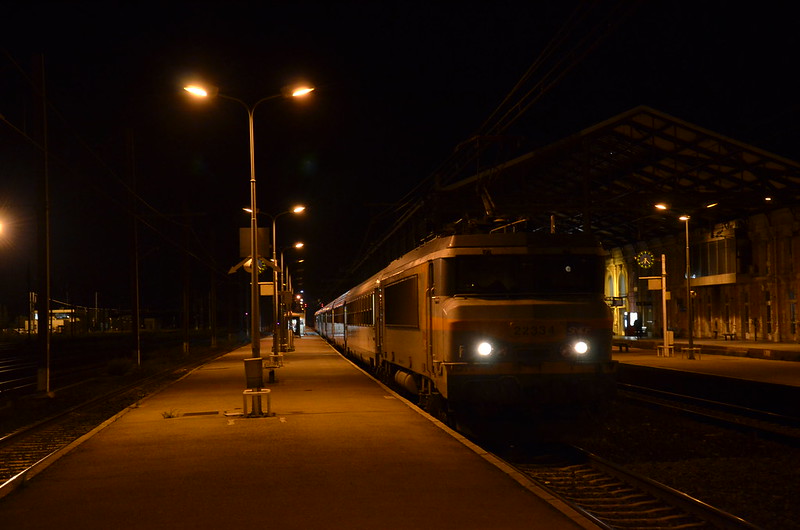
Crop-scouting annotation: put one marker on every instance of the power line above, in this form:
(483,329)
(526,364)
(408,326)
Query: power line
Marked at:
(570,45)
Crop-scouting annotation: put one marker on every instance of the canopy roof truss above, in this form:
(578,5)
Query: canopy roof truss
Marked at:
(609,177)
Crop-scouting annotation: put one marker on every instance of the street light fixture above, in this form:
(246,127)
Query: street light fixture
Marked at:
(302,91)
(208,91)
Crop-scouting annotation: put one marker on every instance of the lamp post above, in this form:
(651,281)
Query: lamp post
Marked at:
(685,219)
(277,280)
(282,342)
(199,91)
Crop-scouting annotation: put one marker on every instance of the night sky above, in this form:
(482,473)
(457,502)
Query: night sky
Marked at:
(399,85)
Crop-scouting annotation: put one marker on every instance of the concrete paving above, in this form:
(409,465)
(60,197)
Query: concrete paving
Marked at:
(724,358)
(340,451)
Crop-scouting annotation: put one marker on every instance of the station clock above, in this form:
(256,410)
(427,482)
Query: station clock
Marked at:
(645,259)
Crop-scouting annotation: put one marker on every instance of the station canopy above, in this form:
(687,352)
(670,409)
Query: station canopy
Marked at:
(607,179)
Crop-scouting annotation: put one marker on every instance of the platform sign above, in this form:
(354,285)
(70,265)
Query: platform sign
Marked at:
(267,288)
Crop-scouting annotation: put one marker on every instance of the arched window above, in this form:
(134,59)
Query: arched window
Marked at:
(622,285)
(610,286)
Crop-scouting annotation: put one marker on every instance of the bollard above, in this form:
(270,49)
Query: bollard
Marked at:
(255,406)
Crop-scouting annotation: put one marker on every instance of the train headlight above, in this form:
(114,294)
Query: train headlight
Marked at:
(580,347)
(485,349)
(575,349)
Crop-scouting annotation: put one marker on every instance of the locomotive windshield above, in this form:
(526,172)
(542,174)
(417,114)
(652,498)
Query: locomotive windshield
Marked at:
(512,275)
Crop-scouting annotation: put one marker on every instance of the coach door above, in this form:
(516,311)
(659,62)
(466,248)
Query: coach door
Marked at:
(379,325)
(435,319)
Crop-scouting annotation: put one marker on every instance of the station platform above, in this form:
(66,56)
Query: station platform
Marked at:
(750,360)
(339,451)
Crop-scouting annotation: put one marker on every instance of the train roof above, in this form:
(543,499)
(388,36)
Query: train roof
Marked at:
(444,246)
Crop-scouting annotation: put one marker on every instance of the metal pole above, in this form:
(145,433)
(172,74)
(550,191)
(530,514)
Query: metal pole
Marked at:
(282,311)
(275,307)
(135,309)
(44,315)
(664,302)
(689,292)
(255,328)
(43,299)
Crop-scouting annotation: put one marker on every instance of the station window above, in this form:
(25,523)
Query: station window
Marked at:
(746,313)
(714,257)
(768,317)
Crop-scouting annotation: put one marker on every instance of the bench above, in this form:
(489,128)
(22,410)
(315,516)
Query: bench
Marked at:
(731,336)
(272,363)
(690,353)
(665,351)
(622,344)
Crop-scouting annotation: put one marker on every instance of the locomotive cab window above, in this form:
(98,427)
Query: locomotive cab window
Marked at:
(509,275)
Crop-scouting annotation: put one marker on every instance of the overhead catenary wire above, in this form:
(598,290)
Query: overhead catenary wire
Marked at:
(569,46)
(205,257)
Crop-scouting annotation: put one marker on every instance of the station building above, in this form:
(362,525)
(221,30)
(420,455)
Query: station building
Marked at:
(735,209)
(744,278)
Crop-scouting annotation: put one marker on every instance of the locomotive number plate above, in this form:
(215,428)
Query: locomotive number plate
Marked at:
(534,330)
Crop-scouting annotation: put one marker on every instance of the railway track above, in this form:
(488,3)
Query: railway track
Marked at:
(17,372)
(73,360)
(768,425)
(712,438)
(616,498)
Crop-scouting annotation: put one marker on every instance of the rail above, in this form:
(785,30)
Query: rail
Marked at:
(617,498)
(769,425)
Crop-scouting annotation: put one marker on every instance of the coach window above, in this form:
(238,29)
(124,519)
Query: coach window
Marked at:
(360,312)
(351,312)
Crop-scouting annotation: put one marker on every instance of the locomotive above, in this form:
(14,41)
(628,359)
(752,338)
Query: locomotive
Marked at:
(485,325)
